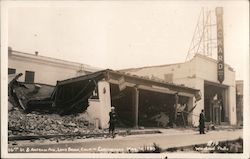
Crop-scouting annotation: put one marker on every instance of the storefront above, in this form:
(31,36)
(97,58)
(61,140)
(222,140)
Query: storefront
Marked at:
(218,99)
(138,101)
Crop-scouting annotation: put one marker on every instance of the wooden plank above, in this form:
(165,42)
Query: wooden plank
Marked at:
(167,91)
(128,84)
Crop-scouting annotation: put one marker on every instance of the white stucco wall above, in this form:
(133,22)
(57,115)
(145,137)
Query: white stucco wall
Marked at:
(206,68)
(44,72)
(94,110)
(193,74)
(105,99)
(99,108)
(232,106)
(47,70)
(199,84)
(179,71)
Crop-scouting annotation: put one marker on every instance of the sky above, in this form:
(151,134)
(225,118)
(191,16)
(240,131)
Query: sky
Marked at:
(124,34)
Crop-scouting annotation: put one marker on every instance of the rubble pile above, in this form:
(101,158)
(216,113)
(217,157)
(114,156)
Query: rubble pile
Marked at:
(29,96)
(34,123)
(31,112)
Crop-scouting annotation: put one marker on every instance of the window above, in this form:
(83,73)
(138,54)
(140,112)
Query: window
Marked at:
(29,76)
(95,94)
(11,71)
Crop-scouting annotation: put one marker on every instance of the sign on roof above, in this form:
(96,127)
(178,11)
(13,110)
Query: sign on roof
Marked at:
(220,44)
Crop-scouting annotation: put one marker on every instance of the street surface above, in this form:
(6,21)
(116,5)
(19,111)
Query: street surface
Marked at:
(123,144)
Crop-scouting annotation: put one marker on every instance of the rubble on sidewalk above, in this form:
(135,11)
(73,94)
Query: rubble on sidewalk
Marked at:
(34,123)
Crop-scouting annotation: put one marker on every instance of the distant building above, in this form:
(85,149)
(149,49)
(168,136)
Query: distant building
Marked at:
(218,100)
(41,69)
(239,101)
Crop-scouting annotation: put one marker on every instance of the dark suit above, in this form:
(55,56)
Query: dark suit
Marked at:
(112,121)
(202,123)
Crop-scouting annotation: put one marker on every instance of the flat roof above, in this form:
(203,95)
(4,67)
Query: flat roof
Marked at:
(165,65)
(52,60)
(137,80)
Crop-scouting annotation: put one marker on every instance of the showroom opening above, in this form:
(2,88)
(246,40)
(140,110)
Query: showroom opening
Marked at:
(155,109)
(215,103)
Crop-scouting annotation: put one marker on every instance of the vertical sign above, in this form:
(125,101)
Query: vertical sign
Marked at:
(220,44)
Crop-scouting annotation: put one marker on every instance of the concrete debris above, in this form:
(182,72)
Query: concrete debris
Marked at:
(211,127)
(26,95)
(34,123)
(10,106)
(31,112)
(141,128)
(162,119)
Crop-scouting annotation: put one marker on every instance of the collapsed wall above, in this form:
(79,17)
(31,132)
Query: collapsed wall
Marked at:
(36,109)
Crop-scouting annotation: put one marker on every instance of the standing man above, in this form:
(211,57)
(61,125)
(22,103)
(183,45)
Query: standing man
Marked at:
(112,121)
(202,122)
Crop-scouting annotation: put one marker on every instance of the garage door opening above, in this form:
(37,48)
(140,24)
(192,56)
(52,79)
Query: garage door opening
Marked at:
(155,109)
(123,103)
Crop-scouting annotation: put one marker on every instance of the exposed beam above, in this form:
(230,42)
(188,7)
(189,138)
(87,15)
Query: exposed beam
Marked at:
(128,84)
(98,75)
(167,91)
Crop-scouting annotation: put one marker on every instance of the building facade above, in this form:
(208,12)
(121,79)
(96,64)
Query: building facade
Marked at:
(138,101)
(218,99)
(46,70)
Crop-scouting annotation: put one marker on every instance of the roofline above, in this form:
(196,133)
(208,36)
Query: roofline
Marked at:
(143,67)
(106,71)
(208,58)
(164,65)
(151,80)
(52,60)
(83,77)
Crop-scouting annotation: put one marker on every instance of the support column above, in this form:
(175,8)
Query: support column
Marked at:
(226,105)
(176,103)
(136,105)
(211,107)
(190,105)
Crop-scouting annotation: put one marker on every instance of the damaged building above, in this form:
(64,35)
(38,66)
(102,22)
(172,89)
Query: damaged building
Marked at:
(218,98)
(138,101)
(156,96)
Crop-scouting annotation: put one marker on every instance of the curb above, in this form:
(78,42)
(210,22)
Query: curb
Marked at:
(89,135)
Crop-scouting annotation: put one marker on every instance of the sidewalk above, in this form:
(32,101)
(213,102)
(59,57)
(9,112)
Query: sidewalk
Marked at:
(164,140)
(120,132)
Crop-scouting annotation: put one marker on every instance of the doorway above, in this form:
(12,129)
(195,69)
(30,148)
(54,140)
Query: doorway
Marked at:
(215,103)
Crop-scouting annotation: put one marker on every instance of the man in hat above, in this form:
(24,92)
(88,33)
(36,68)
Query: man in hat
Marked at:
(112,121)
(202,122)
